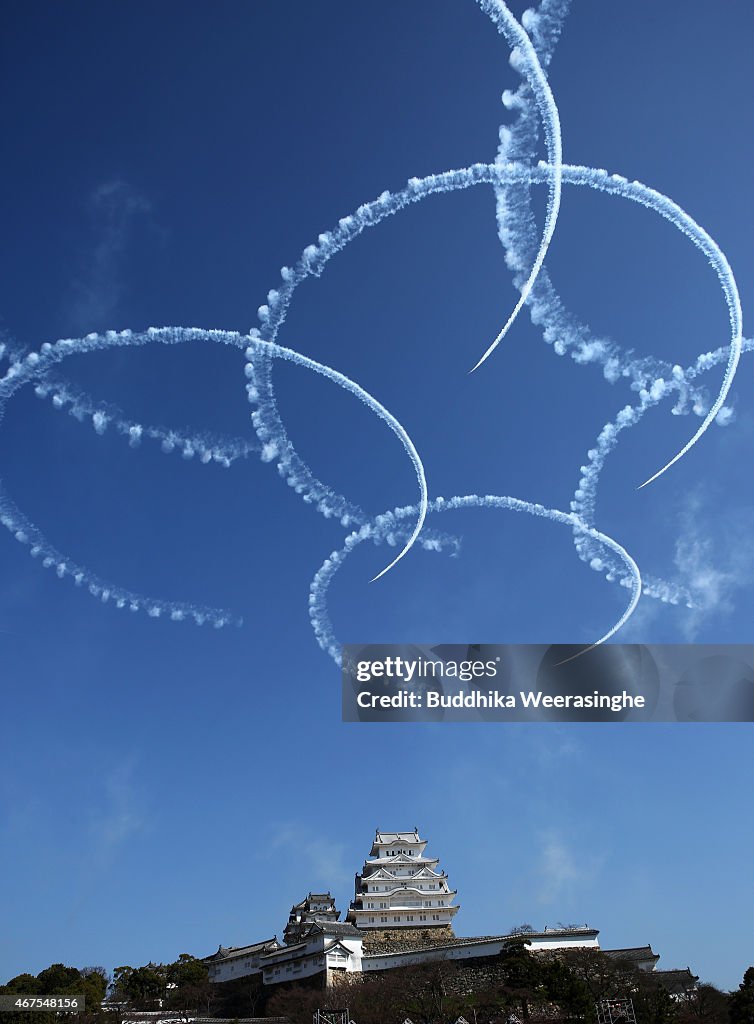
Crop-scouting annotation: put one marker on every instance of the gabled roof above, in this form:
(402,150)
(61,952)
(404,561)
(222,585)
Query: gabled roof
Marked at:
(404,887)
(313,897)
(400,858)
(680,980)
(635,954)
(231,952)
(297,947)
(334,928)
(336,944)
(397,837)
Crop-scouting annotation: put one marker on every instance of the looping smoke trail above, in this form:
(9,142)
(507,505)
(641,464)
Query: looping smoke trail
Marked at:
(270,428)
(371,403)
(35,366)
(585,497)
(105,416)
(525,60)
(518,234)
(532,45)
(388,526)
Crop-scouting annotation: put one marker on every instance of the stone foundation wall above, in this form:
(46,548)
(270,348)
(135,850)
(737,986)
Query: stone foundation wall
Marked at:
(403,940)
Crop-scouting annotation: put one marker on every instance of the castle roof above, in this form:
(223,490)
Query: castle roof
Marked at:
(228,952)
(397,837)
(676,981)
(635,954)
(335,928)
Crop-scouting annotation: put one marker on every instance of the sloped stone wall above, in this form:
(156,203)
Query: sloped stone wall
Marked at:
(403,940)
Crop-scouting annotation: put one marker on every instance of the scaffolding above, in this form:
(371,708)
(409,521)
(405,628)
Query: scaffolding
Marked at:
(333,1017)
(615,1011)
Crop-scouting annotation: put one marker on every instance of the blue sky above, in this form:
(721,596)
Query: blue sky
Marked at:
(166,788)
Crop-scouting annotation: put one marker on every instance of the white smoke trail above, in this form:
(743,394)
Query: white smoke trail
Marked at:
(270,428)
(315,257)
(585,497)
(208,447)
(525,60)
(532,43)
(347,384)
(36,366)
(387,527)
(518,233)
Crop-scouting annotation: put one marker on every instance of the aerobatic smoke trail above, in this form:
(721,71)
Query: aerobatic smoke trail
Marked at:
(34,365)
(524,58)
(315,257)
(518,234)
(104,416)
(371,403)
(270,430)
(387,527)
(512,176)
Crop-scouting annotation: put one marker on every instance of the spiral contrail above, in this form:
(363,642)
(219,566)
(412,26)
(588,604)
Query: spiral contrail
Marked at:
(388,526)
(524,58)
(33,367)
(512,176)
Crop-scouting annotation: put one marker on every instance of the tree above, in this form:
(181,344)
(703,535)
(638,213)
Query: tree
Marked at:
(653,1004)
(741,1004)
(25,984)
(58,979)
(188,986)
(569,991)
(705,1004)
(143,988)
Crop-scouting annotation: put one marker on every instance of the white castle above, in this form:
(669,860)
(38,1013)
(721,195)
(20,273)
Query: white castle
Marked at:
(401,915)
(401,888)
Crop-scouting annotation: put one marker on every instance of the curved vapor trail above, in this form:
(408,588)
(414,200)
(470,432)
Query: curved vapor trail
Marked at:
(585,497)
(104,416)
(524,58)
(314,258)
(387,527)
(371,403)
(275,444)
(30,367)
(532,43)
(518,233)
(34,366)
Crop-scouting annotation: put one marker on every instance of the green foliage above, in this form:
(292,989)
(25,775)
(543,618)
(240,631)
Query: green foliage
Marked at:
(26,984)
(653,1004)
(141,988)
(57,979)
(741,1004)
(565,988)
